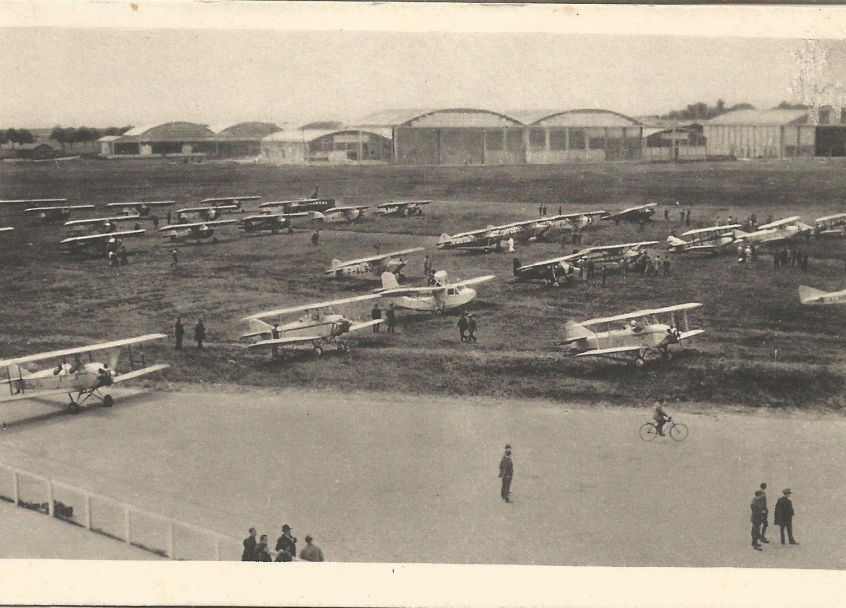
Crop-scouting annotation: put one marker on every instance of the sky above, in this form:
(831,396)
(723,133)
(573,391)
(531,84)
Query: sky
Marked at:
(72,76)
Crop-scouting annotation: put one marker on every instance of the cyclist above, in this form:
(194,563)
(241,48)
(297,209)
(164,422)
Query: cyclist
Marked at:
(660,417)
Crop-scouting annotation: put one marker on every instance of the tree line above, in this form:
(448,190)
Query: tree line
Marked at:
(703,111)
(16,136)
(71,135)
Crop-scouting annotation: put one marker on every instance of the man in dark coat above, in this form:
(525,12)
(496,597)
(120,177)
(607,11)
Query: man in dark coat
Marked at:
(506,473)
(274,335)
(764,524)
(463,325)
(784,516)
(471,327)
(376,314)
(179,331)
(262,552)
(391,315)
(199,333)
(249,547)
(757,519)
(286,545)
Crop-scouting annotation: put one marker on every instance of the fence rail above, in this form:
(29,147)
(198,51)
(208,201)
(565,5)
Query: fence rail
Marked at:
(144,529)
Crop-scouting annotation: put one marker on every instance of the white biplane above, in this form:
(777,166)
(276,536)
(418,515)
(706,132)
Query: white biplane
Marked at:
(302,204)
(713,240)
(639,334)
(830,225)
(314,327)
(401,208)
(815,297)
(99,242)
(272,222)
(231,203)
(440,297)
(337,215)
(56,213)
(140,208)
(190,214)
(100,225)
(374,265)
(33,201)
(78,379)
(788,229)
(641,213)
(193,231)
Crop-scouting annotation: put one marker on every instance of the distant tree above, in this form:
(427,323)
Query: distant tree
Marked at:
(123,130)
(12,136)
(111,131)
(786,105)
(741,106)
(721,106)
(85,135)
(70,136)
(330,125)
(59,135)
(702,111)
(3,138)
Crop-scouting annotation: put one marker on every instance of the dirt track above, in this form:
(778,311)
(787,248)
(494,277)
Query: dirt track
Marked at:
(379,477)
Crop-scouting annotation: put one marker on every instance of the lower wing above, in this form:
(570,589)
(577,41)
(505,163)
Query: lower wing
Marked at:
(140,372)
(608,351)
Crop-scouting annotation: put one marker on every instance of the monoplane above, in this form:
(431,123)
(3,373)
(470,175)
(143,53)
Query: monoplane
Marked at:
(815,297)
(317,326)
(638,337)
(141,208)
(401,208)
(550,228)
(640,213)
(712,240)
(193,231)
(73,376)
(555,272)
(374,265)
(483,240)
(441,296)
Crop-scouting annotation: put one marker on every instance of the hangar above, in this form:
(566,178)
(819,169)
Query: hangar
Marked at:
(674,143)
(167,138)
(303,146)
(776,134)
(243,138)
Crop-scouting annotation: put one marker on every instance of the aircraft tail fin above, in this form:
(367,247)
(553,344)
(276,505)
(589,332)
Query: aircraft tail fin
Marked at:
(573,332)
(258,328)
(15,372)
(389,281)
(444,238)
(809,294)
(674,242)
(516,267)
(335,264)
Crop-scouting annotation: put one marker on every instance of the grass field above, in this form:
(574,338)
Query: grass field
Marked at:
(50,300)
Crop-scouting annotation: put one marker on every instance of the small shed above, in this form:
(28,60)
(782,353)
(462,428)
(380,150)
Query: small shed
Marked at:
(35,151)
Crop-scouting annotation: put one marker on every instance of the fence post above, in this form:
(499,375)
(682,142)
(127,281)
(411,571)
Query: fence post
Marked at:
(16,487)
(88,511)
(51,505)
(127,532)
(171,553)
(217,548)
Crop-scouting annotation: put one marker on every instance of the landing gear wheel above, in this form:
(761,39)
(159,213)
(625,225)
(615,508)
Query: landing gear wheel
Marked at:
(668,356)
(342,346)
(648,432)
(556,284)
(73,408)
(545,283)
(678,432)
(318,351)
(108,401)
(639,362)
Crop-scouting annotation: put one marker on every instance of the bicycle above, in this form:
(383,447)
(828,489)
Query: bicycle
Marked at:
(676,430)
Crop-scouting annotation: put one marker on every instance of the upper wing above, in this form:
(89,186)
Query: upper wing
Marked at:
(564,258)
(289,340)
(364,324)
(100,220)
(196,225)
(476,281)
(82,349)
(314,306)
(215,208)
(348,208)
(141,203)
(786,221)
(638,314)
(617,247)
(233,199)
(100,237)
(6,229)
(429,289)
(68,207)
(33,201)
(373,258)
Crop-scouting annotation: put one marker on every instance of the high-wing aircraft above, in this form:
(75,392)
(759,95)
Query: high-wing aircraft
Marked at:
(788,229)
(193,231)
(815,297)
(831,225)
(56,213)
(303,204)
(79,378)
(337,215)
(374,265)
(613,256)
(632,214)
(713,240)
(548,228)
(142,208)
(440,297)
(401,208)
(638,334)
(314,327)
(483,240)
(98,242)
(229,201)
(274,222)
(555,272)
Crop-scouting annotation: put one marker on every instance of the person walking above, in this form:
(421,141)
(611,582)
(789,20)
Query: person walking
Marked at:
(286,545)
(155,222)
(463,325)
(764,523)
(179,332)
(783,517)
(391,316)
(471,327)
(249,547)
(175,257)
(274,335)
(376,314)
(199,333)
(315,238)
(311,552)
(757,519)
(506,473)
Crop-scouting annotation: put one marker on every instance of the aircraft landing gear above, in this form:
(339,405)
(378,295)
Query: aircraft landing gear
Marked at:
(73,407)
(667,355)
(318,351)
(639,362)
(108,401)
(343,347)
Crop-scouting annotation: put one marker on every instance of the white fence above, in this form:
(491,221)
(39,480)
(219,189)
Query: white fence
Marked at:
(149,531)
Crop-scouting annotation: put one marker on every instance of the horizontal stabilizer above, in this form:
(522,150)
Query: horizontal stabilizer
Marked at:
(809,294)
(364,324)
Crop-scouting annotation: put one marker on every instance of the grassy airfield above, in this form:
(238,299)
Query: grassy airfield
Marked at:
(50,300)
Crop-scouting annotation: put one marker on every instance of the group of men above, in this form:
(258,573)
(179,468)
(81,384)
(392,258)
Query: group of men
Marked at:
(390,317)
(783,517)
(790,256)
(199,333)
(286,548)
(467,327)
(116,253)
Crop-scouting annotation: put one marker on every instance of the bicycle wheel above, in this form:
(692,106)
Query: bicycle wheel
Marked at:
(648,432)
(678,432)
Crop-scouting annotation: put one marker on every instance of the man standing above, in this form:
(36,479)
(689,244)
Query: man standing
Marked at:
(391,315)
(249,547)
(376,314)
(463,325)
(168,217)
(199,333)
(427,266)
(286,545)
(666,214)
(175,256)
(471,327)
(757,519)
(784,515)
(510,242)
(764,523)
(179,331)
(274,335)
(315,238)
(262,552)
(311,552)
(506,473)
(687,218)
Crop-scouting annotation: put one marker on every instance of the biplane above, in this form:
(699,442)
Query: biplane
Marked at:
(229,202)
(34,201)
(337,215)
(830,225)
(317,326)
(440,297)
(98,242)
(555,272)
(193,231)
(712,240)
(612,257)
(374,265)
(815,297)
(641,213)
(73,376)
(638,337)
(401,208)
(56,213)
(272,222)
(205,214)
(787,229)
(303,204)
(99,225)
(140,208)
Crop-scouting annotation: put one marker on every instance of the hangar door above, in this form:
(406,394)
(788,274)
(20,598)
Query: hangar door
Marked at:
(831,141)
(462,146)
(415,146)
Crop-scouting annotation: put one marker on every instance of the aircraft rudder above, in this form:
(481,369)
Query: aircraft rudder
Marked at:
(808,294)
(389,280)
(574,331)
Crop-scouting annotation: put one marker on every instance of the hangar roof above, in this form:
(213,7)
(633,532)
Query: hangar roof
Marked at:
(391,118)
(761,117)
(300,136)
(170,131)
(591,117)
(445,117)
(244,130)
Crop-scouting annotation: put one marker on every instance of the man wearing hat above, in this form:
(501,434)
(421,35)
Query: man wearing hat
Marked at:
(506,473)
(784,516)
(311,553)
(286,545)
